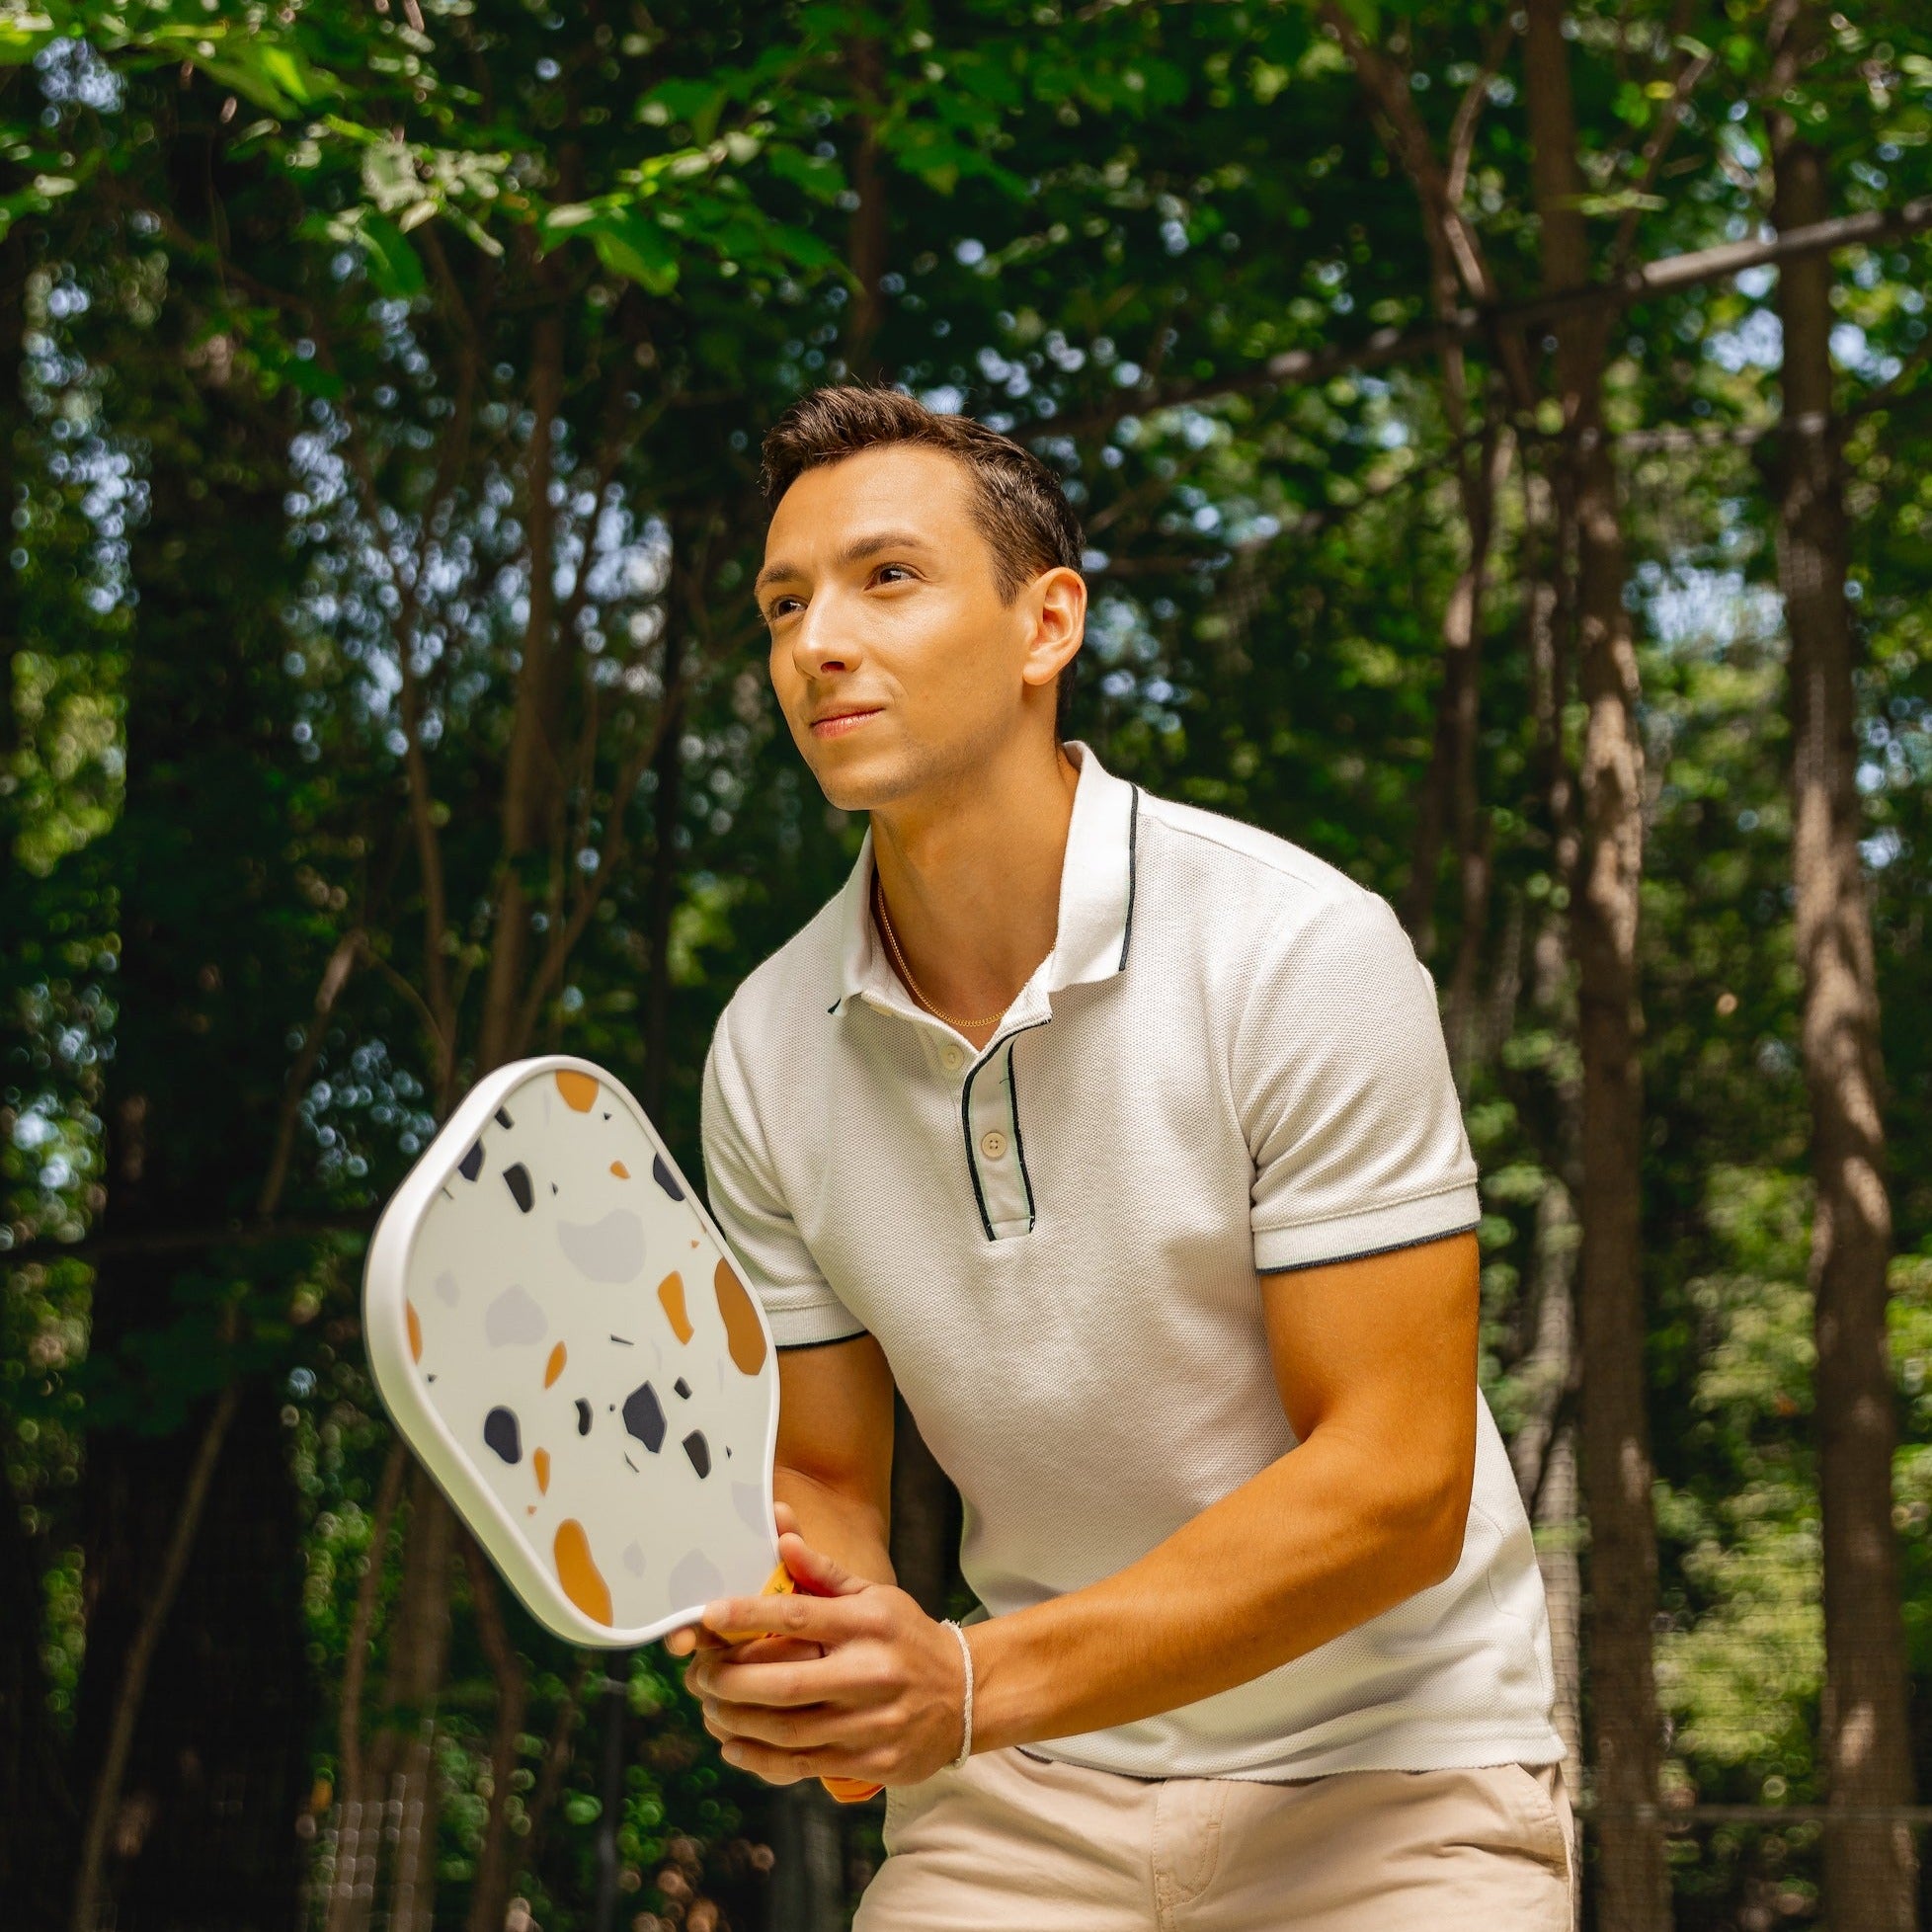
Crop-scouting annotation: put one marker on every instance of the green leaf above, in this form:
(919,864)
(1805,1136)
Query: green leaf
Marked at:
(808,250)
(628,242)
(22,37)
(395,268)
(698,102)
(628,245)
(818,175)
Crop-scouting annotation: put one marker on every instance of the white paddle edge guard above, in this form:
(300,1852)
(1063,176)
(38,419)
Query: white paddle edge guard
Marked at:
(385,1330)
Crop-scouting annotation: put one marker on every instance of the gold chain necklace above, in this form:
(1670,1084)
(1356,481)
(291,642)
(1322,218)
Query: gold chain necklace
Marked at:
(905,972)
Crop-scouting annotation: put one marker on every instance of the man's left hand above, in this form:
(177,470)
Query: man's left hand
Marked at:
(884,1702)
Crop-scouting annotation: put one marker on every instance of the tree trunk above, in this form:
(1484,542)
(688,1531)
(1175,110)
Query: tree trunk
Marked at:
(357,1830)
(529,781)
(1449,794)
(865,241)
(1474,844)
(496,1863)
(212,972)
(402,1762)
(667,806)
(1869,1866)
(1543,1453)
(1633,1881)
(808,1872)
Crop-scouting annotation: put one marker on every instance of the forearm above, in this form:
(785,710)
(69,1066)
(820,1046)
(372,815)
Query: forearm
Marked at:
(1309,1547)
(845,1527)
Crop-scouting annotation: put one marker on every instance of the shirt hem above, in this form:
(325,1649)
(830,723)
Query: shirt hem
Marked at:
(1349,1236)
(797,1326)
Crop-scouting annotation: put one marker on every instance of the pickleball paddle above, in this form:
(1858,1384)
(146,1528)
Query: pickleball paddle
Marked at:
(563,1336)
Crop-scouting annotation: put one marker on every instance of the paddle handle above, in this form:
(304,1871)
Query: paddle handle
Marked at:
(847,1791)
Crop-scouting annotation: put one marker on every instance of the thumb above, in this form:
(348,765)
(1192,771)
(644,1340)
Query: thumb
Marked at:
(813,1571)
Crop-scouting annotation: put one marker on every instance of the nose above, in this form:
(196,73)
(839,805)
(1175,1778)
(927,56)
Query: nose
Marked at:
(822,645)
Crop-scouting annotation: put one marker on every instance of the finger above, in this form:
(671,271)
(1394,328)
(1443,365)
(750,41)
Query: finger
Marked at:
(757,1649)
(819,1619)
(779,1766)
(686,1637)
(846,1678)
(773,1650)
(786,1516)
(815,1571)
(812,1728)
(842,1731)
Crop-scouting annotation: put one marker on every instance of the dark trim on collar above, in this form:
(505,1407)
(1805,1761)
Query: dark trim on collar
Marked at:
(1019,1144)
(830,1341)
(1133,842)
(972,1165)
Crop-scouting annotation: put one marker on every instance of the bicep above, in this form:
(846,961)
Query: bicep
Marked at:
(1382,1348)
(834,1418)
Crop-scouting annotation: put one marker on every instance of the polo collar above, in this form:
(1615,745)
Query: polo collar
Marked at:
(1096,899)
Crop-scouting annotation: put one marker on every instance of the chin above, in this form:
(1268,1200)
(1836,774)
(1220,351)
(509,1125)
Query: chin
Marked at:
(860,780)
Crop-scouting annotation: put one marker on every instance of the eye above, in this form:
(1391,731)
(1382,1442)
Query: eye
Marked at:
(776,608)
(907,569)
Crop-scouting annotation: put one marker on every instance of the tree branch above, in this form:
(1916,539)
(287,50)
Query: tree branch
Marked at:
(565,934)
(335,976)
(1654,149)
(1670,274)
(422,799)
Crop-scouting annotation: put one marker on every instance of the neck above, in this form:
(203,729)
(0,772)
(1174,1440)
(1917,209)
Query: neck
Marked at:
(972,880)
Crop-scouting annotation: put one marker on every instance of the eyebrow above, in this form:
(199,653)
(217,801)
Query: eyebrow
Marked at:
(856,551)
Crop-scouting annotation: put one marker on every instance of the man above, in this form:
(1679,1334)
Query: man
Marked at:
(1121,1137)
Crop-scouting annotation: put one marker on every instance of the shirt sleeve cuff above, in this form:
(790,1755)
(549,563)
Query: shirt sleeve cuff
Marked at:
(807,1313)
(1452,1210)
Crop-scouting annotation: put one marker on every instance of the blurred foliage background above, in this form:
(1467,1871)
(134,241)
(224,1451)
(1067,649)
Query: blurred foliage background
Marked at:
(1501,436)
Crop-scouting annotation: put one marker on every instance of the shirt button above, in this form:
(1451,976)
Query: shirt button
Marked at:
(951,1059)
(993,1144)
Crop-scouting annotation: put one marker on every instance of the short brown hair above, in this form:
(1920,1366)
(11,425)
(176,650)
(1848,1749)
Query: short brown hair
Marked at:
(1017,502)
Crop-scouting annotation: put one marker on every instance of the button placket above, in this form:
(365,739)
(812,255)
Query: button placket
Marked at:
(992,1149)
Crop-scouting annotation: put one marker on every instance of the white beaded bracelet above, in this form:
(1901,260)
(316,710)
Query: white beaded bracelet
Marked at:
(966,1742)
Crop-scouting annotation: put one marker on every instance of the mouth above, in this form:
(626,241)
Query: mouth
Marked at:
(842,721)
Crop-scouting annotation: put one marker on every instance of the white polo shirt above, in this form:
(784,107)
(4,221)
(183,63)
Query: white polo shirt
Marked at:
(1230,1062)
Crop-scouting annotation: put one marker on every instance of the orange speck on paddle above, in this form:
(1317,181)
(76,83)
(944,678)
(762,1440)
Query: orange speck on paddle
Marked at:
(554,1367)
(743,1336)
(671,1293)
(577,1572)
(579,1090)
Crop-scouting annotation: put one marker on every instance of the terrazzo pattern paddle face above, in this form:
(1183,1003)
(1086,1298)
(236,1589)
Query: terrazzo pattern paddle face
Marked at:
(560,1333)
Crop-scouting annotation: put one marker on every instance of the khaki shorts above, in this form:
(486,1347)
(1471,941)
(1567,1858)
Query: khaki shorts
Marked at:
(1026,1844)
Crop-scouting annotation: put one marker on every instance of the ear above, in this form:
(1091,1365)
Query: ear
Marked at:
(1057,601)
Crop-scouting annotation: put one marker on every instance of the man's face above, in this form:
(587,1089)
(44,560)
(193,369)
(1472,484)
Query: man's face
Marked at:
(894,660)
